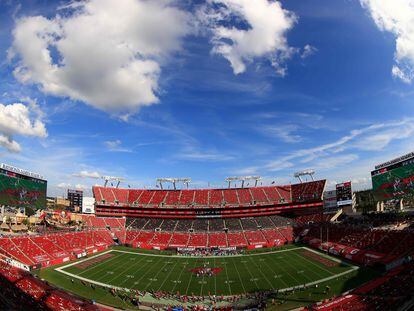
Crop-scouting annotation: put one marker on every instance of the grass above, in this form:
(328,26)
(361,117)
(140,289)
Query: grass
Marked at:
(280,269)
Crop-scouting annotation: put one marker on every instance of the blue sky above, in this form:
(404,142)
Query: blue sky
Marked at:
(206,90)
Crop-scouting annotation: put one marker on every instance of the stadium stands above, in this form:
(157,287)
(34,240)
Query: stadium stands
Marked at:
(22,291)
(388,292)
(202,233)
(54,248)
(185,202)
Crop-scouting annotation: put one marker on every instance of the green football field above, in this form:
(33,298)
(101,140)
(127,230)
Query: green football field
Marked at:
(280,269)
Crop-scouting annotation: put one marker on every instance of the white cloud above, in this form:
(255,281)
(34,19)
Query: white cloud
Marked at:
(116,146)
(82,187)
(374,137)
(64,185)
(87,174)
(308,50)
(20,119)
(396,17)
(261,33)
(106,53)
(196,155)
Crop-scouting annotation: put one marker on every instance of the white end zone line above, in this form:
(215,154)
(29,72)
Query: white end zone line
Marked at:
(353,268)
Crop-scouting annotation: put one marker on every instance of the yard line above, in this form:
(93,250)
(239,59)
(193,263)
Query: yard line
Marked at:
(227,276)
(287,270)
(251,275)
(261,272)
(215,277)
(117,276)
(167,277)
(298,265)
(191,276)
(238,273)
(123,274)
(101,263)
(155,276)
(105,267)
(202,284)
(318,273)
(179,277)
(275,273)
(308,260)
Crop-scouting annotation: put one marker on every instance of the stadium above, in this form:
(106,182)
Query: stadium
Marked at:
(260,247)
(207,155)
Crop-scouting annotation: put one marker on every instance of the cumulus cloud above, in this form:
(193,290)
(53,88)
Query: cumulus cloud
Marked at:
(87,174)
(106,53)
(260,31)
(396,17)
(20,119)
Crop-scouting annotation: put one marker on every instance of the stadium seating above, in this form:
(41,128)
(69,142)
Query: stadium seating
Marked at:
(51,248)
(255,237)
(389,292)
(236,239)
(201,233)
(298,193)
(217,240)
(25,292)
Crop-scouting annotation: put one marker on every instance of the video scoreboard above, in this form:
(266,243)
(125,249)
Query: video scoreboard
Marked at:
(344,194)
(21,188)
(394,179)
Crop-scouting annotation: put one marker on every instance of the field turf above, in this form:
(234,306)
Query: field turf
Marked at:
(280,269)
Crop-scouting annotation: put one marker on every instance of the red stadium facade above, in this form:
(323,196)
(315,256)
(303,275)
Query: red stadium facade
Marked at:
(202,203)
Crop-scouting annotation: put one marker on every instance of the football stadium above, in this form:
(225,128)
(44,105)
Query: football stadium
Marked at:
(207,155)
(256,247)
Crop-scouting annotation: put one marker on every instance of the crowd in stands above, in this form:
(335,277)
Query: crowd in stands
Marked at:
(202,233)
(304,192)
(209,252)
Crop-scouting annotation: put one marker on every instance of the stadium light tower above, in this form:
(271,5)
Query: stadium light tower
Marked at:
(174,181)
(243,179)
(112,178)
(299,174)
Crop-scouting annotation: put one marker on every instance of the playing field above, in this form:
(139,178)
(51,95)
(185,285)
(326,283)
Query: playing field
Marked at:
(280,269)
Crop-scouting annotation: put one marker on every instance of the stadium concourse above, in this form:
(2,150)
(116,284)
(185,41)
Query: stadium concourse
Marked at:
(187,220)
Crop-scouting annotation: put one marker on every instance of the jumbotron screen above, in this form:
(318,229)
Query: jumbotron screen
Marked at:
(394,179)
(344,193)
(21,190)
